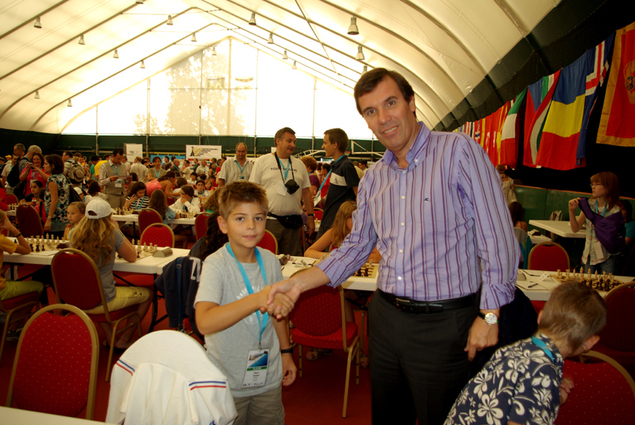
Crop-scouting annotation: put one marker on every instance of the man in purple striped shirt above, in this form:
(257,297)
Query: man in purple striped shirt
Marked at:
(434,208)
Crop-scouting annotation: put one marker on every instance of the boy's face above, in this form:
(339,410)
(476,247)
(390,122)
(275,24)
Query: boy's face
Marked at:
(200,186)
(245,225)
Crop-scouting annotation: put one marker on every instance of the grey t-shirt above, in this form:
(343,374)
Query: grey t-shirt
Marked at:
(222,283)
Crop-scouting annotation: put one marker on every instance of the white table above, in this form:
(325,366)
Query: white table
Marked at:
(560,228)
(14,416)
(354,282)
(135,219)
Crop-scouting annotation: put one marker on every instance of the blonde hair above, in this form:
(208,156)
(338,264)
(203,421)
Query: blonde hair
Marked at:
(81,207)
(573,314)
(339,228)
(95,237)
(211,203)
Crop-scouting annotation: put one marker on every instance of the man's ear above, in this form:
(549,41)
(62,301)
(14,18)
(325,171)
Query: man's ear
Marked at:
(590,342)
(222,224)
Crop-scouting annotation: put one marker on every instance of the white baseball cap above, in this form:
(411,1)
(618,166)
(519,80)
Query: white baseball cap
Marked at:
(98,208)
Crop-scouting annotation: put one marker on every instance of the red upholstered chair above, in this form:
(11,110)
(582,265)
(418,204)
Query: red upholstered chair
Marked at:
(28,221)
(55,367)
(77,282)
(147,217)
(269,242)
(617,339)
(548,256)
(11,199)
(319,212)
(319,321)
(603,393)
(200,225)
(160,235)
(17,309)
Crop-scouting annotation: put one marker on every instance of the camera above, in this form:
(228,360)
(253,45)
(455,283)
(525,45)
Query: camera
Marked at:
(292,186)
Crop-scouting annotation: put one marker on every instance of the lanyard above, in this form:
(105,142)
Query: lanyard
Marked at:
(243,167)
(597,208)
(329,174)
(155,172)
(261,322)
(286,171)
(540,343)
(113,169)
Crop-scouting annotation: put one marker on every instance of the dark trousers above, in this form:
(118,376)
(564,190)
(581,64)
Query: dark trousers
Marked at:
(418,366)
(289,240)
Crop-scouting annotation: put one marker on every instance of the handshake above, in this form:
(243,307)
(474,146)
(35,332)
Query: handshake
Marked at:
(276,302)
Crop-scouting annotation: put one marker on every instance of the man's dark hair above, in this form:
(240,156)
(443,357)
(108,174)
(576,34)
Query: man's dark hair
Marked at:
(117,151)
(369,81)
(363,162)
(339,136)
(68,153)
(280,133)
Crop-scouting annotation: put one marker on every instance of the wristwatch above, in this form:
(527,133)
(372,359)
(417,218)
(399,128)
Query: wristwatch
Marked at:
(490,318)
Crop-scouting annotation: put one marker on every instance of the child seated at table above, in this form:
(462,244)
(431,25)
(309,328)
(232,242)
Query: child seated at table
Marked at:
(229,309)
(522,382)
(75,212)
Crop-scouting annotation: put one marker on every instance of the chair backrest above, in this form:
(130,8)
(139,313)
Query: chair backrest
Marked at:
(200,225)
(55,366)
(147,217)
(320,312)
(158,234)
(77,281)
(619,332)
(11,199)
(319,212)
(269,242)
(548,256)
(28,221)
(604,393)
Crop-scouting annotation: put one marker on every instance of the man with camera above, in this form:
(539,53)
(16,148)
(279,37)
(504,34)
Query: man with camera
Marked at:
(287,184)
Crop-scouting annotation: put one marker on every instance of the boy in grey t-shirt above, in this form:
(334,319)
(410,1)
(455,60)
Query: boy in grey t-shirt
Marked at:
(232,295)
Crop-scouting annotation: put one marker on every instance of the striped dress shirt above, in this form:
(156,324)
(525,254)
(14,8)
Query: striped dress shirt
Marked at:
(441,225)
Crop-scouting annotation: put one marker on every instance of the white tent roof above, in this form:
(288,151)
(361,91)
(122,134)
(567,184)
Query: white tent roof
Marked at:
(447,49)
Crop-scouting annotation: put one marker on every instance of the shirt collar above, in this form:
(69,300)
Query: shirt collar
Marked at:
(415,152)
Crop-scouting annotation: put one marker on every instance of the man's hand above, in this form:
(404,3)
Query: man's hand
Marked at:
(291,292)
(310,225)
(481,335)
(289,370)
(113,178)
(565,388)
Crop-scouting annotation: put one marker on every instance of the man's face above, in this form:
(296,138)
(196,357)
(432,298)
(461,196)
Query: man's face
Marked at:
(15,158)
(329,148)
(286,145)
(65,157)
(17,151)
(389,116)
(177,162)
(156,162)
(116,159)
(241,152)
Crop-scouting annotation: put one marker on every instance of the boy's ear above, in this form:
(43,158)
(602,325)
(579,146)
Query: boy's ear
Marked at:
(222,224)
(539,316)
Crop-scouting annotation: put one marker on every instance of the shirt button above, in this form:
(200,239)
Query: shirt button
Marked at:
(403,197)
(403,172)
(403,224)
(398,277)
(416,160)
(401,251)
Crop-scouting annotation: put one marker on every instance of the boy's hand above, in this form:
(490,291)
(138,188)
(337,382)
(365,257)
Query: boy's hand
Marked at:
(263,295)
(565,388)
(292,293)
(289,369)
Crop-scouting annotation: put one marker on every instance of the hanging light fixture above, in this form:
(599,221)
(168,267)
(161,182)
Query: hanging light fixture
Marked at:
(37,94)
(116,54)
(37,23)
(139,1)
(365,69)
(169,22)
(81,40)
(69,104)
(360,54)
(352,29)
(214,51)
(143,65)
(193,40)
(252,20)
(284,56)
(270,41)
(294,66)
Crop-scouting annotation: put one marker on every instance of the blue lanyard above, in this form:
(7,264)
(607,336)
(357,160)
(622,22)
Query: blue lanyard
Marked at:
(329,174)
(113,169)
(286,171)
(261,322)
(597,208)
(243,167)
(543,347)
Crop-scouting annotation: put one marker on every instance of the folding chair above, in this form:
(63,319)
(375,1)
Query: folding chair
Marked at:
(269,242)
(17,309)
(160,235)
(147,217)
(28,221)
(200,225)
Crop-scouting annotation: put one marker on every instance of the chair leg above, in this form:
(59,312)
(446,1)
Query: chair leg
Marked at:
(113,338)
(4,335)
(353,350)
(300,359)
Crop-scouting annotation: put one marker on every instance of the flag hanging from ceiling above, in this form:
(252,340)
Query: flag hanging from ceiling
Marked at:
(617,124)
(539,97)
(510,133)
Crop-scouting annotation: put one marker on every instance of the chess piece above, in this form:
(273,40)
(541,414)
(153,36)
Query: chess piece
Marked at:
(559,274)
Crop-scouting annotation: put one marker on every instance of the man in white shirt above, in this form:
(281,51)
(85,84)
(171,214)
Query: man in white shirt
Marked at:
(235,169)
(203,169)
(138,168)
(287,184)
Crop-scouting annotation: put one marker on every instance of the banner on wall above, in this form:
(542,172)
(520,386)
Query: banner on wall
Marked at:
(203,151)
(133,150)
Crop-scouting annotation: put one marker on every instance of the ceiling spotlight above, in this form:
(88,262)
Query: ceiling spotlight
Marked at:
(116,54)
(193,40)
(81,40)
(37,94)
(69,104)
(352,29)
(169,22)
(139,1)
(284,56)
(252,20)
(360,54)
(143,65)
(270,41)
(214,51)
(294,66)
(37,23)
(365,69)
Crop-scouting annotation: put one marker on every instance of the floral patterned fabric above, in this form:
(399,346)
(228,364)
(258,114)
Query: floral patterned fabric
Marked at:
(62,195)
(519,383)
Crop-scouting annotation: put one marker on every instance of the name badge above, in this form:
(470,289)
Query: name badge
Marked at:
(256,373)
(118,183)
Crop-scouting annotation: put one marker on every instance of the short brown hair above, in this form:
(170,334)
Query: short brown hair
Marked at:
(372,78)
(280,133)
(240,192)
(339,136)
(573,314)
(56,163)
(309,162)
(612,185)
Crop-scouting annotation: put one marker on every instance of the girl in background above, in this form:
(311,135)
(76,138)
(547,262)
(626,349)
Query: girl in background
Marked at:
(75,213)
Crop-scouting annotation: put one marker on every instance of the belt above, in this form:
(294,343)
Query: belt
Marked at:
(408,305)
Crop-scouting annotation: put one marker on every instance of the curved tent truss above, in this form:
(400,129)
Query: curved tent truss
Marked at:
(464,58)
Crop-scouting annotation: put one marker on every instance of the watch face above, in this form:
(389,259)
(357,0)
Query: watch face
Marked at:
(491,319)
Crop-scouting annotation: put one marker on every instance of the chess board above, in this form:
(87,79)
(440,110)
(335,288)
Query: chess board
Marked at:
(367,270)
(46,244)
(595,281)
